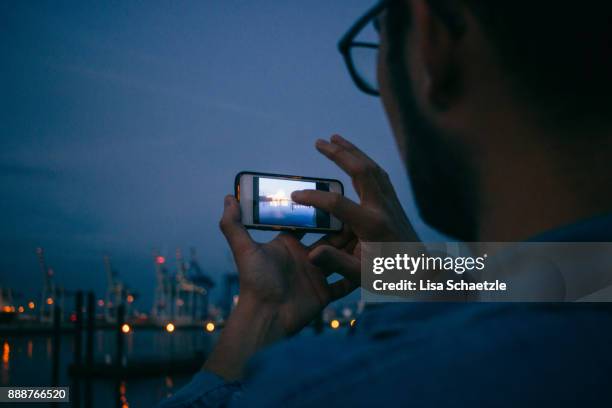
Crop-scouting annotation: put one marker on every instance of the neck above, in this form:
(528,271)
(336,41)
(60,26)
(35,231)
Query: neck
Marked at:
(542,183)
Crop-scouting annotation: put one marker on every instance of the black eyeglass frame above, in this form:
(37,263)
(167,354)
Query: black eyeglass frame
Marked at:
(348,41)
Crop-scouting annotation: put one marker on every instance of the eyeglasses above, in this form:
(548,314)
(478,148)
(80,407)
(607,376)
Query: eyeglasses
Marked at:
(361,56)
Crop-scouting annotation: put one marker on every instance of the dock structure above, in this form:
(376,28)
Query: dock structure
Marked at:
(117,293)
(50,295)
(180,297)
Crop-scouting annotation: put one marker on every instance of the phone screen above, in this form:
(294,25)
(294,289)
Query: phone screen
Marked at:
(272,204)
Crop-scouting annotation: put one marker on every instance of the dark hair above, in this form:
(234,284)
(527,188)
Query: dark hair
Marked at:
(559,53)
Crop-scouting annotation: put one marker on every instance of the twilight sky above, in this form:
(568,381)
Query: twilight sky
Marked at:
(123,124)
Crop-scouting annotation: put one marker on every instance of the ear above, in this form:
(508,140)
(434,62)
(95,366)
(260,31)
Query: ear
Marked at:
(438,31)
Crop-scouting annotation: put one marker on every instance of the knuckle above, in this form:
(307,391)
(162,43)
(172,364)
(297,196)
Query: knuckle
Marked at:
(325,251)
(379,222)
(223,224)
(319,253)
(335,201)
(334,153)
(364,169)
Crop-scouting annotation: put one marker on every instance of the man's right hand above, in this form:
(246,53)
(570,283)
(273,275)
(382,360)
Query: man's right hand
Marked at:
(379,217)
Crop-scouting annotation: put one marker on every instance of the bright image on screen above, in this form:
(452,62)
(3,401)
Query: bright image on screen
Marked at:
(276,207)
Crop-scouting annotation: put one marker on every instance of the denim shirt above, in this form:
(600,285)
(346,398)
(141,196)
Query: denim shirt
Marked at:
(436,354)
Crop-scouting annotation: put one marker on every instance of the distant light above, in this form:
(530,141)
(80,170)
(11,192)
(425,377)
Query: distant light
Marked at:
(49,301)
(6,309)
(160,259)
(125,328)
(169,382)
(180,302)
(73,317)
(100,302)
(235,299)
(130,298)
(170,327)
(209,327)
(334,324)
(6,353)
(353,322)
(20,309)
(31,304)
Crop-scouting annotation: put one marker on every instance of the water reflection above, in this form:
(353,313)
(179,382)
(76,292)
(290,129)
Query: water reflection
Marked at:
(21,366)
(169,386)
(123,402)
(6,354)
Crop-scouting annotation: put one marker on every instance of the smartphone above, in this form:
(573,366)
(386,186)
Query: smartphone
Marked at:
(265,201)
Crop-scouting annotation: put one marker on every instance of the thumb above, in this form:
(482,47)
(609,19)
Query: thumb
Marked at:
(237,236)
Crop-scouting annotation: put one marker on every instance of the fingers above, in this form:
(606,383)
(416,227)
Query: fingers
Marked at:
(350,147)
(361,169)
(237,236)
(331,260)
(334,203)
(291,238)
(294,235)
(381,176)
(338,240)
(341,288)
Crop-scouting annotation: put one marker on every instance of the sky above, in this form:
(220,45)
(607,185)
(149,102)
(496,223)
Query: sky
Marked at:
(282,188)
(123,125)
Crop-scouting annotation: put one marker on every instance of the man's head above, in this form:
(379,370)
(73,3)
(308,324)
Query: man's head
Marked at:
(466,82)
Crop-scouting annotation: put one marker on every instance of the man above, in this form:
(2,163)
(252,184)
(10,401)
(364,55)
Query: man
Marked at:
(500,111)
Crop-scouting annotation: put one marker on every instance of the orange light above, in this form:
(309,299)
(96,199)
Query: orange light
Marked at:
(130,298)
(170,327)
(49,301)
(20,309)
(125,328)
(334,324)
(353,322)
(169,382)
(6,309)
(31,304)
(6,352)
(160,259)
(209,327)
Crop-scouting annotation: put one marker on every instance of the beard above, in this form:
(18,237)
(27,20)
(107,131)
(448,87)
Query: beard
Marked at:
(443,179)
